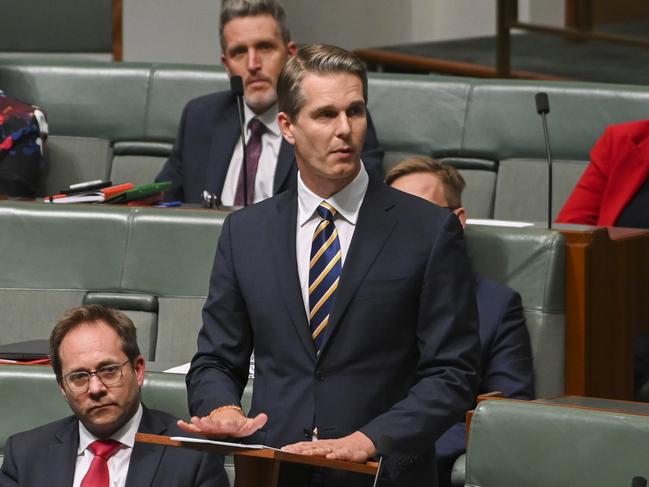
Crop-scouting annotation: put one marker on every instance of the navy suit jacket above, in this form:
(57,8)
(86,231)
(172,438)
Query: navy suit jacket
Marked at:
(400,356)
(207,135)
(46,456)
(506,359)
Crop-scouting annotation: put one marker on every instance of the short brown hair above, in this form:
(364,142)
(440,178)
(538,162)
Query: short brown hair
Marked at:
(92,314)
(449,176)
(232,9)
(318,59)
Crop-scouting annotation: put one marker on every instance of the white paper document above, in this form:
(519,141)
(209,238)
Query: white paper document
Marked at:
(221,443)
(498,223)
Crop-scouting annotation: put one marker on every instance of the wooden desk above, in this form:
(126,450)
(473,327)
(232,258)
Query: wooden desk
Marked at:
(260,468)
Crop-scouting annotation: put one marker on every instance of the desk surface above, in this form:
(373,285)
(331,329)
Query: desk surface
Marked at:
(629,407)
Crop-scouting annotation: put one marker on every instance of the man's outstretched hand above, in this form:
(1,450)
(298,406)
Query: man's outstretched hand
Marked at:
(353,448)
(224,423)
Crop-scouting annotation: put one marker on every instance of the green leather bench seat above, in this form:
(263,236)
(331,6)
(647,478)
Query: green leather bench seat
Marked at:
(515,443)
(531,261)
(154,265)
(488,128)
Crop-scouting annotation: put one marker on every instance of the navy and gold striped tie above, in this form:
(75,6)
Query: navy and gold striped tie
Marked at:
(325,267)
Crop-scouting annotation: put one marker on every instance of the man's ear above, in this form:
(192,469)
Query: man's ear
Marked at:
(139,370)
(461,215)
(286,126)
(292,48)
(225,64)
(62,389)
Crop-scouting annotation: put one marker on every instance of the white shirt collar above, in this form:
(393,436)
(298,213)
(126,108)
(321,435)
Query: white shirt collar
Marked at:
(268,118)
(347,201)
(125,435)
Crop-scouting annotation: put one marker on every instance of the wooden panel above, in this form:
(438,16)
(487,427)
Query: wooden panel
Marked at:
(607,285)
(117,30)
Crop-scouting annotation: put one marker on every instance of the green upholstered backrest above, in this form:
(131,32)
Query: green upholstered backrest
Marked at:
(532,262)
(516,443)
(154,264)
(502,124)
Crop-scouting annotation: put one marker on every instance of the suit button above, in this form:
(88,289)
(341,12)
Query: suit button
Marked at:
(319,376)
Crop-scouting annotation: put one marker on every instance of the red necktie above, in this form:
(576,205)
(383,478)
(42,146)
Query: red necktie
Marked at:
(97,475)
(253,151)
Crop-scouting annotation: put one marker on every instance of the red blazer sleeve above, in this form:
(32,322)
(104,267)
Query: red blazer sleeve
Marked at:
(583,205)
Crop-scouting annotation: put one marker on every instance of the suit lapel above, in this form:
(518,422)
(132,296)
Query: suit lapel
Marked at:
(625,180)
(145,457)
(285,260)
(62,454)
(226,133)
(374,225)
(286,167)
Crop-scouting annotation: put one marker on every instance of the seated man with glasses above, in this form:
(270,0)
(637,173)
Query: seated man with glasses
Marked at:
(506,354)
(100,372)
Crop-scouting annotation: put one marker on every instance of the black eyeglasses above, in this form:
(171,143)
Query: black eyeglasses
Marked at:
(109,375)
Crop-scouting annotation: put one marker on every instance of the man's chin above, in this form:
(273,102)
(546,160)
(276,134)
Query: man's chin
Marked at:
(260,100)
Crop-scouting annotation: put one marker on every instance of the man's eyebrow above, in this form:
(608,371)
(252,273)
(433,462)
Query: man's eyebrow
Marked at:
(101,364)
(324,108)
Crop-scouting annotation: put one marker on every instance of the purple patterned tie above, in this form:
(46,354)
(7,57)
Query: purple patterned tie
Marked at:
(253,151)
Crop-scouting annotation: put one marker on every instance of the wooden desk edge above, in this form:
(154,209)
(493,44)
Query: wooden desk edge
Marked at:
(368,468)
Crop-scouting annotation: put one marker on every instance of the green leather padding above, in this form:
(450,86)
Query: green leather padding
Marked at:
(48,246)
(418,114)
(530,260)
(501,120)
(172,86)
(69,160)
(513,443)
(170,253)
(84,98)
(132,301)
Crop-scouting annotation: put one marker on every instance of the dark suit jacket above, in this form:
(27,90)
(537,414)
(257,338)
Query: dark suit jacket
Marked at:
(46,456)
(619,165)
(209,131)
(399,356)
(506,360)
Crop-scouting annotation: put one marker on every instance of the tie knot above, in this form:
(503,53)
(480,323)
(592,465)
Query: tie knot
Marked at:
(256,127)
(104,448)
(326,211)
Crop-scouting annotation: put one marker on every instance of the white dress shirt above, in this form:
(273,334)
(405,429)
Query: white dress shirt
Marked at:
(118,463)
(270,145)
(347,203)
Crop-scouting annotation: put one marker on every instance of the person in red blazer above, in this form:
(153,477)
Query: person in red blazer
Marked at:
(619,166)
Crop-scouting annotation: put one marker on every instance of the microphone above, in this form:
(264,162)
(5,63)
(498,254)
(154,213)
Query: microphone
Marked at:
(543,108)
(236,87)
(639,482)
(383,449)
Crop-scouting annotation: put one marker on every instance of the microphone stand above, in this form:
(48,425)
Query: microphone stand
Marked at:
(542,108)
(236,86)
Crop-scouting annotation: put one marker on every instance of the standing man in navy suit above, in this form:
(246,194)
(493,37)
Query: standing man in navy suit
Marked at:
(207,154)
(100,371)
(363,319)
(506,357)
